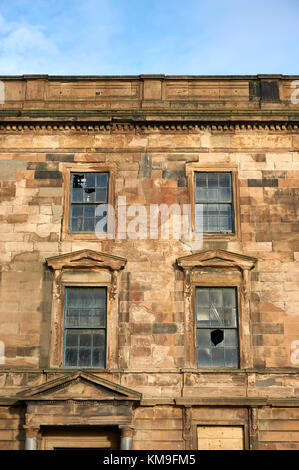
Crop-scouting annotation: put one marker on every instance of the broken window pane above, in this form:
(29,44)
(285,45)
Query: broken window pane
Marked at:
(217,327)
(87,191)
(217,337)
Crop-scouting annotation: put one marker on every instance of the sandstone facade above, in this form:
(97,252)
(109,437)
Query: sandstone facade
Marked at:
(150,133)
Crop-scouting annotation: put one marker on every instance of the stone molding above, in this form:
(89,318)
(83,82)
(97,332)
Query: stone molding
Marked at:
(83,261)
(199,269)
(208,124)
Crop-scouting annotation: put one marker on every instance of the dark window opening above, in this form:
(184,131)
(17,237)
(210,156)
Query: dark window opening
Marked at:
(217,337)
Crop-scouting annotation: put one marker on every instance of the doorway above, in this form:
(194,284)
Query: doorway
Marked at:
(80,438)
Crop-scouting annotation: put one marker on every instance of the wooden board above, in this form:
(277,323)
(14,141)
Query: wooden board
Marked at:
(220,437)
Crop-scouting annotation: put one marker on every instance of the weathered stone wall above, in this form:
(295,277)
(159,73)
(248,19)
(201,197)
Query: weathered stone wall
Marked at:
(150,159)
(31,216)
(11,428)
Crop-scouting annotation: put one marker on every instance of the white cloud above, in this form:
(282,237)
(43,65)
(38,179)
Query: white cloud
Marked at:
(24,48)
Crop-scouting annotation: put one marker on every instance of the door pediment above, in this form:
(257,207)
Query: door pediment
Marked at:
(87,259)
(79,386)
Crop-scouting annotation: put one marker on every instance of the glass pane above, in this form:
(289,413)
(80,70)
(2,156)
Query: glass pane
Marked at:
(225,180)
(77,210)
(89,210)
(101,195)
(90,179)
(86,318)
(230,339)
(225,224)
(201,195)
(71,357)
(85,300)
(71,338)
(216,306)
(89,224)
(84,357)
(99,317)
(203,296)
(217,357)
(85,339)
(77,224)
(204,357)
(203,316)
(231,357)
(225,195)
(203,338)
(72,317)
(230,317)
(212,195)
(201,180)
(199,223)
(98,357)
(213,223)
(213,180)
(89,195)
(99,338)
(216,296)
(77,195)
(102,180)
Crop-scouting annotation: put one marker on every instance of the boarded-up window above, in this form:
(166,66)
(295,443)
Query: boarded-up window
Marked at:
(220,437)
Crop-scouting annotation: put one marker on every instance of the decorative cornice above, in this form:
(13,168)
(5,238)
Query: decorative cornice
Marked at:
(147,127)
(217,259)
(86,259)
(115,391)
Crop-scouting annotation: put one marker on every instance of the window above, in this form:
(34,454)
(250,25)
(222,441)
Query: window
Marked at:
(217,327)
(85,310)
(85,327)
(217,304)
(88,190)
(213,202)
(87,186)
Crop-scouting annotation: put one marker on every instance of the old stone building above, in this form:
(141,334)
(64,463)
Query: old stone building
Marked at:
(115,331)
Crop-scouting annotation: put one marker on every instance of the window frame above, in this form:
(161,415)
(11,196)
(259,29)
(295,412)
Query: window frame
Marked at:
(217,268)
(198,167)
(83,327)
(237,328)
(68,169)
(85,268)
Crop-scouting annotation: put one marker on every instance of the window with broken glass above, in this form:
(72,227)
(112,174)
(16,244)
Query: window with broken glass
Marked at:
(217,327)
(213,202)
(88,190)
(85,327)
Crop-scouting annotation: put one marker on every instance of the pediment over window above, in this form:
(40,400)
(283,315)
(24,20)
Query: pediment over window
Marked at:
(218,259)
(87,259)
(79,386)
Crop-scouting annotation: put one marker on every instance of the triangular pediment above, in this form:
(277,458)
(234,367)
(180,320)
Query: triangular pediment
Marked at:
(87,259)
(80,386)
(216,258)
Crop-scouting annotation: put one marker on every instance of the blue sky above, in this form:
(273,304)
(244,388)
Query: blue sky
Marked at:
(131,37)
